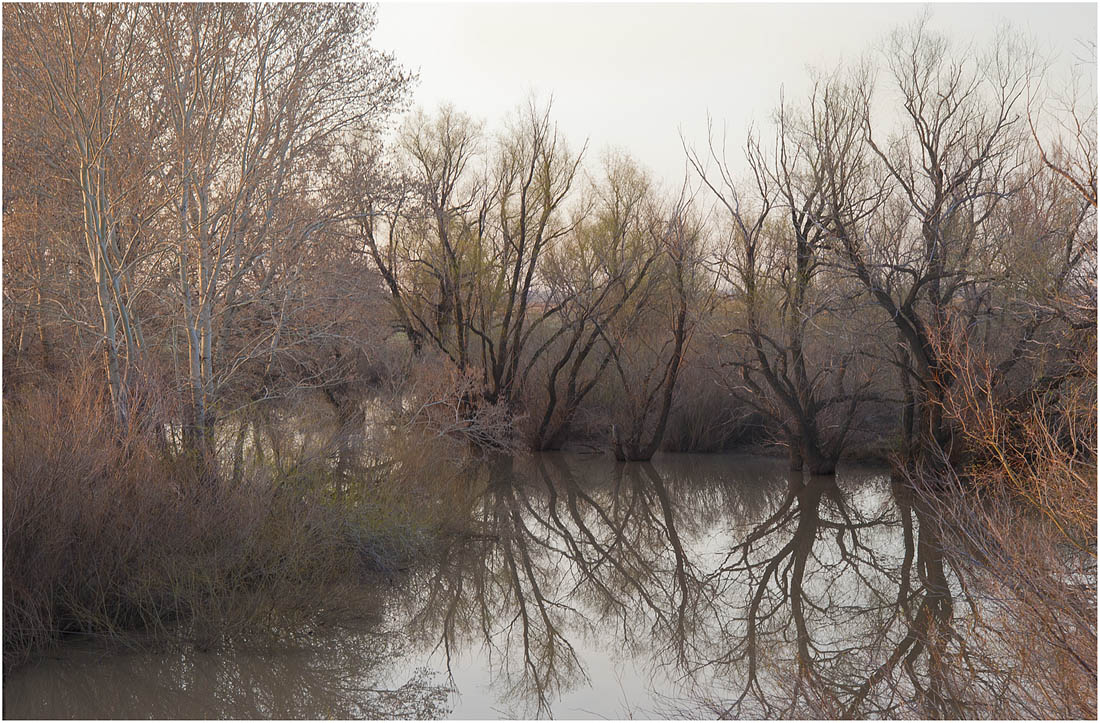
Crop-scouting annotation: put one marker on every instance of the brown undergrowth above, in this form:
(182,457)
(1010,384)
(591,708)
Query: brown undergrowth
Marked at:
(110,533)
(1018,520)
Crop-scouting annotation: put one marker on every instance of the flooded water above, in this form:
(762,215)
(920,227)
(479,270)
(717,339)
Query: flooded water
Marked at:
(696,586)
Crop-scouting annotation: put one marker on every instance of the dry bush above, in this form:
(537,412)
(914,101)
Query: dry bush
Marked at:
(706,417)
(1019,517)
(107,534)
(448,405)
(1028,649)
(1037,446)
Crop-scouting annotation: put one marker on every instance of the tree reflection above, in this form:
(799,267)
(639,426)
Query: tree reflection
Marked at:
(789,598)
(728,587)
(834,623)
(926,609)
(501,588)
(812,598)
(565,559)
(343,674)
(560,556)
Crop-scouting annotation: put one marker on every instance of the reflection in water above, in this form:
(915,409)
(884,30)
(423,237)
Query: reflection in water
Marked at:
(341,675)
(822,595)
(699,585)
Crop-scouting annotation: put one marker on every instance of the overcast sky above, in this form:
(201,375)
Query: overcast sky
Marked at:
(634,75)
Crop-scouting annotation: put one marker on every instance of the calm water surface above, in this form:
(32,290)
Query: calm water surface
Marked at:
(696,586)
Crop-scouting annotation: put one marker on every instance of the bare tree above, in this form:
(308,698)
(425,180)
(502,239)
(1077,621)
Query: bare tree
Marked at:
(648,345)
(256,101)
(1072,153)
(200,141)
(593,277)
(82,63)
(946,175)
(461,247)
(795,367)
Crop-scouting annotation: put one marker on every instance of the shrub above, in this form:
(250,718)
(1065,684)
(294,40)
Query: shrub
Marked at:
(109,533)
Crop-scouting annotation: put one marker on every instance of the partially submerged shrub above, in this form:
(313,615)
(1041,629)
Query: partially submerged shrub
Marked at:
(1038,445)
(1031,652)
(448,404)
(1018,515)
(108,533)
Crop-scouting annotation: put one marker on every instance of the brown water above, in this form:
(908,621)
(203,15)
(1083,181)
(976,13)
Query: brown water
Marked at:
(695,586)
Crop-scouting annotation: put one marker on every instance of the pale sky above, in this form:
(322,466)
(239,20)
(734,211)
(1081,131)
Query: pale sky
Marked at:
(634,76)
